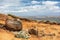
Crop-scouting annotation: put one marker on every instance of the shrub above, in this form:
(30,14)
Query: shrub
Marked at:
(22,34)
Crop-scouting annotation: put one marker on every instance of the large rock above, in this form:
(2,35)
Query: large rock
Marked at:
(13,25)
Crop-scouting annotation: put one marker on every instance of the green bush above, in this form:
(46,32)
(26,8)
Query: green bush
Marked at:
(22,34)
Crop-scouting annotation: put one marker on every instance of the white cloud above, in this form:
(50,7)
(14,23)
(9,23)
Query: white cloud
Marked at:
(35,2)
(50,2)
(49,6)
(37,8)
(7,11)
(4,6)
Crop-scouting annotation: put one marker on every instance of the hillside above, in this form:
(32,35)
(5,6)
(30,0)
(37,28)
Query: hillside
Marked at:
(43,30)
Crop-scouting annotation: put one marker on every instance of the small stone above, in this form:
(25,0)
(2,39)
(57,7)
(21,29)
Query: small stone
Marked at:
(32,31)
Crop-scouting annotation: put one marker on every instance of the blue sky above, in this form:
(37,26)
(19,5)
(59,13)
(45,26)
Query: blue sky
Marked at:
(30,7)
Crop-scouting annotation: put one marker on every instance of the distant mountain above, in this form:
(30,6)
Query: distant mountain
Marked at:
(52,19)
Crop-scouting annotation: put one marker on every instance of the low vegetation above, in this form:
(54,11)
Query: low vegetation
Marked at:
(36,30)
(22,34)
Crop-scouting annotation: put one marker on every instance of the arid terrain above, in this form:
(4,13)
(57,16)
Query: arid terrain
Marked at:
(46,31)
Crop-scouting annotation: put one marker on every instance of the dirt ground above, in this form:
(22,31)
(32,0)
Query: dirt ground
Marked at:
(45,31)
(52,32)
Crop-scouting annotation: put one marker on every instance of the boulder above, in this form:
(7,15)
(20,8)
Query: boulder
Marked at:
(13,25)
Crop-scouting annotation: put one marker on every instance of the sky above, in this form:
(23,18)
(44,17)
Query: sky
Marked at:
(30,7)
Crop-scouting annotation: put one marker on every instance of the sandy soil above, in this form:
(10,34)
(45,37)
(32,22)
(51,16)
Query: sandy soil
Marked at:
(43,28)
(45,31)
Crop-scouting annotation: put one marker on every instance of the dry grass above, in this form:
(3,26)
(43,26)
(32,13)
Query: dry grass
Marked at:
(46,29)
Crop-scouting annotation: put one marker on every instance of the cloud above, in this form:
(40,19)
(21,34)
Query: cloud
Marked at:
(48,6)
(35,2)
(16,6)
(8,11)
(50,2)
(51,5)
(36,8)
